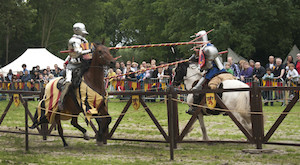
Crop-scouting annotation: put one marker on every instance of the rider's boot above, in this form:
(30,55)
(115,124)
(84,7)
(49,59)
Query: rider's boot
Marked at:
(197,98)
(62,96)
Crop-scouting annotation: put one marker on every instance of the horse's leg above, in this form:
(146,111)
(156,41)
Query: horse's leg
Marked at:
(103,127)
(202,125)
(74,122)
(60,130)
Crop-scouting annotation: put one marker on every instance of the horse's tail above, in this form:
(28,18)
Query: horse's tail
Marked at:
(39,116)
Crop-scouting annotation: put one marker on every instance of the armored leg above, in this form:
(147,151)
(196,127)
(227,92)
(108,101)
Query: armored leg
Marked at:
(62,95)
(199,84)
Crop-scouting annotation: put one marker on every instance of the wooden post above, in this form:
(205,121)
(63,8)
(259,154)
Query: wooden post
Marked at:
(175,116)
(171,126)
(26,125)
(257,119)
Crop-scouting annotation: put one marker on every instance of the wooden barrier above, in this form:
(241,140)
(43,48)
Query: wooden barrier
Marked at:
(174,136)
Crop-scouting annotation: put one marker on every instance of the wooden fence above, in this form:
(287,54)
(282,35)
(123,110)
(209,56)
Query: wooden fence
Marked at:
(173,136)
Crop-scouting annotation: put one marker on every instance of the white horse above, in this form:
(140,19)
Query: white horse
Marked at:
(238,102)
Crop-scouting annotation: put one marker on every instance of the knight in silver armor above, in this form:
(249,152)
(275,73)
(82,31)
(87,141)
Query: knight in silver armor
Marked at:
(74,59)
(211,58)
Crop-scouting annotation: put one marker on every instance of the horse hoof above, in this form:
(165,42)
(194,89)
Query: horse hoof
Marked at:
(86,137)
(99,143)
(66,146)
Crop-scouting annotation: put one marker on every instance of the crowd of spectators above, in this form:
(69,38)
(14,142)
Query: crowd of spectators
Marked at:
(275,69)
(36,74)
(245,71)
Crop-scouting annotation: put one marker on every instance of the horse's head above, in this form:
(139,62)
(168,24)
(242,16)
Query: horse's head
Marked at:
(102,56)
(180,72)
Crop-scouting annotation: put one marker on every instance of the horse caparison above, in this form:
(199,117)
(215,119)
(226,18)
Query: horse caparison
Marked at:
(94,78)
(188,73)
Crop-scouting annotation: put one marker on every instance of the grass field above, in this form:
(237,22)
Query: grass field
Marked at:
(137,124)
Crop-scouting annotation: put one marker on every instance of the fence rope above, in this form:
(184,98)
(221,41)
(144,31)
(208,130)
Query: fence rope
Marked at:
(92,117)
(232,110)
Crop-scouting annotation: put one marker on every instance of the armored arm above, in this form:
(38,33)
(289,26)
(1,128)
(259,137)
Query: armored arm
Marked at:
(211,54)
(74,44)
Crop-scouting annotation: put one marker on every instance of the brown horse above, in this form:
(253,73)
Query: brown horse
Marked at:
(94,79)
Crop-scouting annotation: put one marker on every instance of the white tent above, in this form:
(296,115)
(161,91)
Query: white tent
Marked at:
(294,51)
(235,57)
(33,57)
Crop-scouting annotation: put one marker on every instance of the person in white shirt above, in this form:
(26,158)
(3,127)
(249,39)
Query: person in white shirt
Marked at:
(292,74)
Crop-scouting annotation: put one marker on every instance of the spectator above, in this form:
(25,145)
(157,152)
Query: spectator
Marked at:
(279,70)
(258,71)
(56,72)
(271,63)
(160,74)
(50,77)
(227,68)
(292,74)
(1,78)
(140,77)
(63,71)
(35,76)
(234,67)
(25,69)
(134,66)
(148,73)
(155,71)
(268,77)
(9,76)
(123,67)
(290,59)
(144,64)
(167,72)
(117,66)
(246,73)
(45,72)
(128,66)
(298,63)
(41,78)
(111,73)
(241,64)
(15,78)
(153,62)
(38,69)
(48,70)
(19,74)
(129,70)
(252,63)
(55,68)
(26,77)
(279,75)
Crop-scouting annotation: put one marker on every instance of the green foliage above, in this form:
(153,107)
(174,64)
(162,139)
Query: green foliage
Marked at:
(254,29)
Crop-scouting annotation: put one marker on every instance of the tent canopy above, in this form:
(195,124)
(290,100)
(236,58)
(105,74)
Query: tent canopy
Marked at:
(235,57)
(33,57)
(294,51)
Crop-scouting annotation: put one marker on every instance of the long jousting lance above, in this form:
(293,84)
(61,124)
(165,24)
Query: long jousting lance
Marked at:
(147,46)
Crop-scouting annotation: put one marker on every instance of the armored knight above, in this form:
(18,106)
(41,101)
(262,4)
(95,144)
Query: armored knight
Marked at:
(213,68)
(74,59)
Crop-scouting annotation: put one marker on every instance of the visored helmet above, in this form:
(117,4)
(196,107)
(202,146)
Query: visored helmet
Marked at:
(203,34)
(79,28)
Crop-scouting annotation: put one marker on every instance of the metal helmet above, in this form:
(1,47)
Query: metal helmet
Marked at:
(203,34)
(79,28)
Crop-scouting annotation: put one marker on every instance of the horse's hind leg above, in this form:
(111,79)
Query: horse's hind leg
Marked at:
(60,130)
(202,125)
(74,122)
